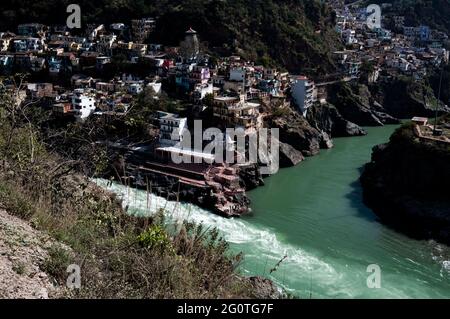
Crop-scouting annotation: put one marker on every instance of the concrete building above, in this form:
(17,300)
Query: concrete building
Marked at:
(200,74)
(171,128)
(31,29)
(236,111)
(135,88)
(303,93)
(83,104)
(201,90)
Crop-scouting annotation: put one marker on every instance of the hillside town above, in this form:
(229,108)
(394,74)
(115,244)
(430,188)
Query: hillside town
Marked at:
(103,72)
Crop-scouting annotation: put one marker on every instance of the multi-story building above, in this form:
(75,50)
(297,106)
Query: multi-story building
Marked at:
(200,75)
(399,21)
(236,111)
(105,44)
(352,67)
(422,33)
(40,90)
(83,103)
(201,90)
(136,87)
(171,128)
(101,62)
(303,93)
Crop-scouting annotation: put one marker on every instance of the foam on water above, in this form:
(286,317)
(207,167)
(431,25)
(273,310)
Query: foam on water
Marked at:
(300,273)
(257,243)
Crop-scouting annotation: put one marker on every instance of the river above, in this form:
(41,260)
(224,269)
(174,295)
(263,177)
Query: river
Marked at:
(312,219)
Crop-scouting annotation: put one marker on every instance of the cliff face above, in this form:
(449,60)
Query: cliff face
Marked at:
(297,132)
(356,104)
(407,184)
(327,118)
(405,98)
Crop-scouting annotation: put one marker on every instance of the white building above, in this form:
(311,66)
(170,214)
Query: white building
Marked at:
(83,104)
(135,88)
(399,63)
(171,128)
(303,93)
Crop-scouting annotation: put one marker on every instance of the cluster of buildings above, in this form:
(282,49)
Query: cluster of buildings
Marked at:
(39,48)
(233,89)
(87,95)
(407,50)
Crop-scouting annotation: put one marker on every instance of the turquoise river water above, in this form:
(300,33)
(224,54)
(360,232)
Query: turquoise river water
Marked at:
(312,215)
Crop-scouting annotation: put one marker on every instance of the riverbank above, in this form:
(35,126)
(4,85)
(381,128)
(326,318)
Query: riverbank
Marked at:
(407,181)
(61,219)
(314,214)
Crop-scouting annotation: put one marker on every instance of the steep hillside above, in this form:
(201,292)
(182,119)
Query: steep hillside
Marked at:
(296,34)
(434,13)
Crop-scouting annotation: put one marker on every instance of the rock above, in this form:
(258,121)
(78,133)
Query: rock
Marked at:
(355,103)
(42,275)
(406,184)
(250,176)
(23,249)
(297,132)
(264,288)
(326,141)
(405,98)
(289,156)
(327,118)
(42,294)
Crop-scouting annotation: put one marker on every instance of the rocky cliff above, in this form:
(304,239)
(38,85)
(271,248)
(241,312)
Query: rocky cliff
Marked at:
(404,98)
(407,183)
(298,133)
(327,118)
(355,103)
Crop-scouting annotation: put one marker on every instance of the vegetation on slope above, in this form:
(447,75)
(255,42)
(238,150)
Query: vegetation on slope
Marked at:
(433,13)
(296,34)
(120,256)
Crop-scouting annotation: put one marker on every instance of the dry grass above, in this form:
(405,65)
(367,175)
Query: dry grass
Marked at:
(120,256)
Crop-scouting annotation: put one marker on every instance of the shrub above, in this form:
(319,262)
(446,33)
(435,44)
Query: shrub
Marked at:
(155,237)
